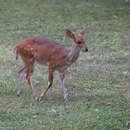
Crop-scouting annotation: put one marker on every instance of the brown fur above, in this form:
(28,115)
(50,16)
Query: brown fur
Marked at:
(48,52)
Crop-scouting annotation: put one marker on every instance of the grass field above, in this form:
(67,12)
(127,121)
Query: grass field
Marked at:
(98,83)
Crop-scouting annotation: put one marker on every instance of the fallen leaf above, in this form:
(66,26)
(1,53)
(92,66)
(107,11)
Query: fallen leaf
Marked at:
(34,117)
(53,110)
(115,17)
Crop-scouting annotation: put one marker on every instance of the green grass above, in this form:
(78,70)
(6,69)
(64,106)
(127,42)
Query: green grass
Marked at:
(98,83)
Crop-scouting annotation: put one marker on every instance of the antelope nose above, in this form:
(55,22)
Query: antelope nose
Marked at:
(86,49)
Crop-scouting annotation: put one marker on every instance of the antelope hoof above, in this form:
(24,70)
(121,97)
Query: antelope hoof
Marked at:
(65,100)
(35,98)
(18,94)
(40,98)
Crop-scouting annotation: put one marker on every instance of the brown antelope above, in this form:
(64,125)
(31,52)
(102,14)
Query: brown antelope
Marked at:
(46,51)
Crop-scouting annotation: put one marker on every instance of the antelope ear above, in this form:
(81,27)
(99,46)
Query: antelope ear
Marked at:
(83,30)
(70,34)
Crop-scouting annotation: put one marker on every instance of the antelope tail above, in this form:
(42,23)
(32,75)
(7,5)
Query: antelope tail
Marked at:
(15,51)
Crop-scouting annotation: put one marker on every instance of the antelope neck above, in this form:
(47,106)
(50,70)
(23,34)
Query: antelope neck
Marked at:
(74,53)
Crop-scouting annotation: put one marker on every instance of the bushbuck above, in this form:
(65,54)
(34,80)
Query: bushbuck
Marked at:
(46,51)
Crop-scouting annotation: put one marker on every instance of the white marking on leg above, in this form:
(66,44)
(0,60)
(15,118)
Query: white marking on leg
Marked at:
(31,80)
(35,64)
(42,94)
(48,83)
(36,98)
(20,77)
(63,87)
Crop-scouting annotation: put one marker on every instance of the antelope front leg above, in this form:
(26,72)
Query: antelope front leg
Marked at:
(62,77)
(49,85)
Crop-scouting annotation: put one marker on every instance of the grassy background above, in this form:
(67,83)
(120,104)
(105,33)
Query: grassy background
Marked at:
(98,84)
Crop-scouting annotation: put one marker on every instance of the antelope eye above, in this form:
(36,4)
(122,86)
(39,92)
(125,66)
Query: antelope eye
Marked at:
(79,42)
